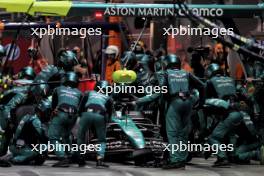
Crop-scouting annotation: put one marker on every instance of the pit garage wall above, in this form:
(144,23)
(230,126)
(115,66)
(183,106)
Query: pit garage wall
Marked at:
(156,33)
(154,37)
(252,25)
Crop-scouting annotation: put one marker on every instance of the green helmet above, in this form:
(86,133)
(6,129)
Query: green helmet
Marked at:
(27,73)
(101,86)
(71,79)
(212,70)
(44,108)
(145,62)
(67,60)
(172,61)
(42,90)
(2,51)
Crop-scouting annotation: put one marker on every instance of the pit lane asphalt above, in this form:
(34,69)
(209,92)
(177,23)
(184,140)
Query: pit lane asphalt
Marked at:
(197,167)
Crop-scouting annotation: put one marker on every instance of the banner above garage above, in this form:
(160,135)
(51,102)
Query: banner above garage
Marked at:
(76,8)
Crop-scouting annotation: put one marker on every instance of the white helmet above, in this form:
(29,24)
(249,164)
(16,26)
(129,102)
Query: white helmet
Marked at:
(112,49)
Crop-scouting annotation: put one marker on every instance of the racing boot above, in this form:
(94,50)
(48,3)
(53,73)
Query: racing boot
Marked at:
(221,162)
(39,160)
(262,155)
(207,154)
(100,164)
(65,162)
(177,165)
(81,162)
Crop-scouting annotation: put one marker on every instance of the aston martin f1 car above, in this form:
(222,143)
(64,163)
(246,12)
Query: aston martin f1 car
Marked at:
(132,136)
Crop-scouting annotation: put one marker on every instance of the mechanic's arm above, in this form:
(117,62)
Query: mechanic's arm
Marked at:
(38,127)
(160,77)
(20,127)
(18,99)
(148,98)
(195,82)
(6,92)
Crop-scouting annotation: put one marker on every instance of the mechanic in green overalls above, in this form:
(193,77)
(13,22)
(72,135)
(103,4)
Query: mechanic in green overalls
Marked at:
(222,88)
(30,131)
(65,103)
(10,100)
(96,111)
(179,107)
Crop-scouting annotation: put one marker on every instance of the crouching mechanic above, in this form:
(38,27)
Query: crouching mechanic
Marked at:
(10,101)
(179,103)
(65,102)
(96,111)
(22,144)
(222,88)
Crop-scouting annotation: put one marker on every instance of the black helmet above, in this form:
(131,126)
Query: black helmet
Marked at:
(101,86)
(172,60)
(71,79)
(67,60)
(2,51)
(27,73)
(212,70)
